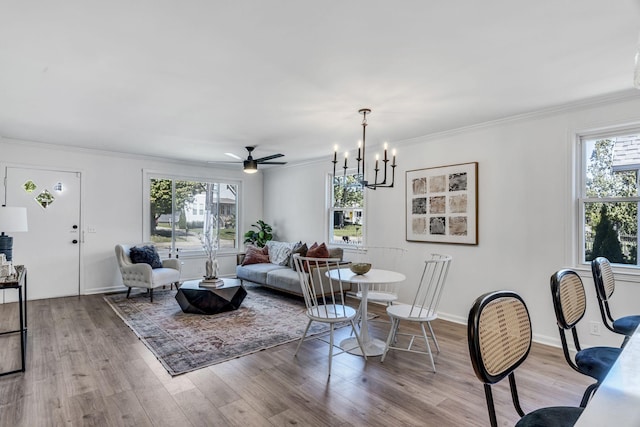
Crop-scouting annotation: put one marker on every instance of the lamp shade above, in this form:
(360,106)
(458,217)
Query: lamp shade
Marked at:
(13,219)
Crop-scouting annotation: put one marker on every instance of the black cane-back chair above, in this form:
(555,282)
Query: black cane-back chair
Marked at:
(499,335)
(605,285)
(570,304)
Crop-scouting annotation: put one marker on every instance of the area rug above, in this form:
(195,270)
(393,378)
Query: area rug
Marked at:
(186,342)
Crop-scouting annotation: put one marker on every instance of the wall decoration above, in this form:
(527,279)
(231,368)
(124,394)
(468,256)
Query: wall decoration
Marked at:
(442,204)
(29,186)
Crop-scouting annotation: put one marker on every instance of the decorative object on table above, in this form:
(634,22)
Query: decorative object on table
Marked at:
(12,219)
(442,204)
(362,158)
(261,237)
(210,247)
(6,267)
(185,342)
(211,283)
(360,267)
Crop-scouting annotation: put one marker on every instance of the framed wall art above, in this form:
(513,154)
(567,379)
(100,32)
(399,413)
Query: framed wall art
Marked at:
(442,204)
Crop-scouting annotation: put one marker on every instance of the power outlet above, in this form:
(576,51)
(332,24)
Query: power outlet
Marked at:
(594,328)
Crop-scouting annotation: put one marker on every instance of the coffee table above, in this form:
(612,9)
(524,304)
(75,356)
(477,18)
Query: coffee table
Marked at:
(200,300)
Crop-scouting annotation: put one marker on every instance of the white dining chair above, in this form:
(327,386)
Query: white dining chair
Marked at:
(422,310)
(325,299)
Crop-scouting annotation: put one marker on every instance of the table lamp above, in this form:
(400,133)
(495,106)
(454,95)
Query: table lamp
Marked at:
(11,219)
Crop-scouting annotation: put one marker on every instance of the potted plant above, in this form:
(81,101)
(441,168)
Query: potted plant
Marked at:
(261,237)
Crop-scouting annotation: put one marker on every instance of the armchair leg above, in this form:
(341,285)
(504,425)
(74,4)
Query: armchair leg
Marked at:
(128,292)
(151,294)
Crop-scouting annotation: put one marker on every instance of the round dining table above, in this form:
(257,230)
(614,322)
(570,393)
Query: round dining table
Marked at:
(372,346)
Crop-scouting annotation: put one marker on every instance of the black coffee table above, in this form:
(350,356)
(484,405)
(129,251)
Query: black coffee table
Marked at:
(200,300)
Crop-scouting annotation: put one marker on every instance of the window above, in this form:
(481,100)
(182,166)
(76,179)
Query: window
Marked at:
(346,216)
(181,211)
(609,198)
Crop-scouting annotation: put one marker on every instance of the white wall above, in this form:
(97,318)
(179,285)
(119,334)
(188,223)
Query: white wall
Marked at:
(112,193)
(526,209)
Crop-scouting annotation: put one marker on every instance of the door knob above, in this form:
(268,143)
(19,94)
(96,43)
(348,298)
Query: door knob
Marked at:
(75,227)
(74,241)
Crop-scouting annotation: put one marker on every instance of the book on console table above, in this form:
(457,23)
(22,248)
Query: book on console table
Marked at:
(211,283)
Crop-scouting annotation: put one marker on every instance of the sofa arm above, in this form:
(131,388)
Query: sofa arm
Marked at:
(172,263)
(137,275)
(240,258)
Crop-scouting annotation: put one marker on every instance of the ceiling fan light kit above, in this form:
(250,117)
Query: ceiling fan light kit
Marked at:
(250,166)
(361,160)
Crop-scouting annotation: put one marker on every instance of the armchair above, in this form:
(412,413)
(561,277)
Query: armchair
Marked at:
(142,275)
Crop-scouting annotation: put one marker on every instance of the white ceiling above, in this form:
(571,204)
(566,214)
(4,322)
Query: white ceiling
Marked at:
(193,79)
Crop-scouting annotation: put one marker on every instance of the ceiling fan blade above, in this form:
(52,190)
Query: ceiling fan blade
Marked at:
(235,156)
(263,159)
(273,163)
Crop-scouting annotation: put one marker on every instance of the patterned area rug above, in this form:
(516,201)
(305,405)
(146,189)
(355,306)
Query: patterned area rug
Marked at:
(186,342)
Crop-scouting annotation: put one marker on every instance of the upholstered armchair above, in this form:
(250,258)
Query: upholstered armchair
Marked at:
(142,275)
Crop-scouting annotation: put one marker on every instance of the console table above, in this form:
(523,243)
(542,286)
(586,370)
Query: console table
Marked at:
(18,281)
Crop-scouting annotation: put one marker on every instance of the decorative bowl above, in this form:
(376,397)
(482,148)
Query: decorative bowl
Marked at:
(360,267)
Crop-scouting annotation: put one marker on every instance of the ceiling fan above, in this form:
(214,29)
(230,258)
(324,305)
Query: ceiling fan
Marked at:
(250,165)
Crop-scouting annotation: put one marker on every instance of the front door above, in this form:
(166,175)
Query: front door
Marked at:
(50,250)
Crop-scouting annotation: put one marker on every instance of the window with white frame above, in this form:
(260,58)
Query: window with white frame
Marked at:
(609,197)
(184,212)
(346,212)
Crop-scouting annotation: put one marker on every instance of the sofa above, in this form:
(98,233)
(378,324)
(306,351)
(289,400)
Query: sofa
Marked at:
(278,271)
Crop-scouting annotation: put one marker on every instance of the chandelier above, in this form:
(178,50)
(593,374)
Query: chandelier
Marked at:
(361,161)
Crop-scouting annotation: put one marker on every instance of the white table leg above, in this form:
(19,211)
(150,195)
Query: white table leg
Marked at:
(372,346)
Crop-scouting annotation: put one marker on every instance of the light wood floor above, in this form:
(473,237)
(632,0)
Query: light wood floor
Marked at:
(86,367)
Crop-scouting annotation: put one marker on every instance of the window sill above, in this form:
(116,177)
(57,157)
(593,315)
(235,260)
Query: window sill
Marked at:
(623,274)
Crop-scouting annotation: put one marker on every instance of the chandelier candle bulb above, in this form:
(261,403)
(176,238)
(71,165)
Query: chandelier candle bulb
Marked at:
(393,163)
(385,152)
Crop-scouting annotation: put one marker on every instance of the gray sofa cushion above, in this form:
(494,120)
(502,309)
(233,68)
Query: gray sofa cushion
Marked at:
(285,279)
(257,272)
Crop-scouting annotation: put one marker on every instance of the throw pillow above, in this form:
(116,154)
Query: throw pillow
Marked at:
(316,251)
(299,248)
(279,252)
(145,254)
(255,255)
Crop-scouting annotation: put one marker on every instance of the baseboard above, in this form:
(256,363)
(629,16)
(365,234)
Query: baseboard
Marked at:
(537,338)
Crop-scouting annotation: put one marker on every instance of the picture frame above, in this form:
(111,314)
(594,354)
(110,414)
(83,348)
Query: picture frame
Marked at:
(442,204)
